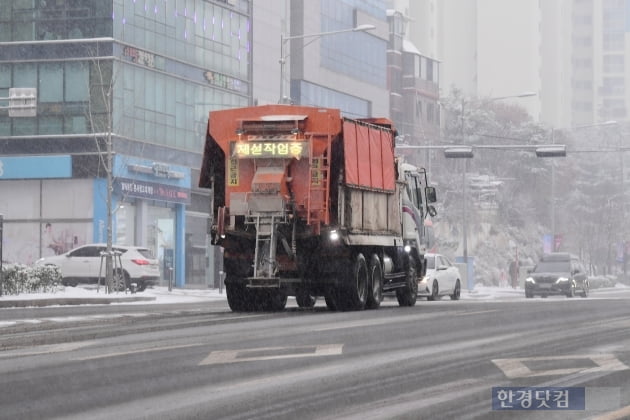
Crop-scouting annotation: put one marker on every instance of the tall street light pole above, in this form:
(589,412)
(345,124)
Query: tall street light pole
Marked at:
(283,55)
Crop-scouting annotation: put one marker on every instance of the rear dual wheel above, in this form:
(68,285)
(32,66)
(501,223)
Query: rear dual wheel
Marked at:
(242,299)
(353,294)
(375,273)
(237,296)
(304,299)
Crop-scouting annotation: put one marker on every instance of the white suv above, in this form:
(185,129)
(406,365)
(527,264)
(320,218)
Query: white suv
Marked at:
(83,265)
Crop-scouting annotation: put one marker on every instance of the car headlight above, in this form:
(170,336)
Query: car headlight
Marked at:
(530,280)
(562,280)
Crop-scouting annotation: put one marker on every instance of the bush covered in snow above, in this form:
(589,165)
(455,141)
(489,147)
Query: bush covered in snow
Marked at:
(18,278)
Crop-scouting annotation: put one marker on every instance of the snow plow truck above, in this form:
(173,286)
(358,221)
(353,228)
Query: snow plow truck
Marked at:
(310,204)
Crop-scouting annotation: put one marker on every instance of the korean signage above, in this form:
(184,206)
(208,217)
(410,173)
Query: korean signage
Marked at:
(151,190)
(538,398)
(269,149)
(139,57)
(233,172)
(224,81)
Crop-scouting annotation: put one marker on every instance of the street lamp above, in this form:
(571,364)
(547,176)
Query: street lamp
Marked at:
(283,56)
(465,153)
(520,95)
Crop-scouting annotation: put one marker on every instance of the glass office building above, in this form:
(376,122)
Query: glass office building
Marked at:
(139,75)
(341,70)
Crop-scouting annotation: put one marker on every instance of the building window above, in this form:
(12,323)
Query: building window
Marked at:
(76,82)
(50,83)
(614,63)
(430,70)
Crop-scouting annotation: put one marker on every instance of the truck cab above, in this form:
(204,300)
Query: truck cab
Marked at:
(416,197)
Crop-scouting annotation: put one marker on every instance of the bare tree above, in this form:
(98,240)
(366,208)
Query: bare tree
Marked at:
(99,114)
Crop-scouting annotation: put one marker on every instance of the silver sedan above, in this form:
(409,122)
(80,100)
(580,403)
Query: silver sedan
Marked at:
(442,278)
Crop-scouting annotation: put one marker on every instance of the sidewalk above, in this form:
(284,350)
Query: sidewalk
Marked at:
(89,295)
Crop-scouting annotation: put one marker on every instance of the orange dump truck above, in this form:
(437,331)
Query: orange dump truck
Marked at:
(310,204)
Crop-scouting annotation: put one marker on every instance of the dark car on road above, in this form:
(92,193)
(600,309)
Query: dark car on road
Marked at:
(557,273)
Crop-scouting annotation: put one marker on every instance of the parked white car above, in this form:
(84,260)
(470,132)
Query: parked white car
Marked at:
(442,279)
(84,265)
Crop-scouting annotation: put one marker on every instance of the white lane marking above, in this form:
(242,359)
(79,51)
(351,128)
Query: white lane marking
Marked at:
(475,312)
(271,353)
(146,350)
(48,349)
(516,368)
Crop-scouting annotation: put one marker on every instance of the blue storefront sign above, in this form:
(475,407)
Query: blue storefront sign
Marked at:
(35,167)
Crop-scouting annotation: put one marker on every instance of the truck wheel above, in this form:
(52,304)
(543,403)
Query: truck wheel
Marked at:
(354,294)
(274,300)
(236,297)
(331,301)
(408,295)
(304,299)
(375,297)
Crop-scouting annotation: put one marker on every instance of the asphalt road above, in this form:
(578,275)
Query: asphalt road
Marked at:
(437,360)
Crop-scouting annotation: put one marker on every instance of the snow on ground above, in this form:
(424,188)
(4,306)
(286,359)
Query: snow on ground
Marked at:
(158,294)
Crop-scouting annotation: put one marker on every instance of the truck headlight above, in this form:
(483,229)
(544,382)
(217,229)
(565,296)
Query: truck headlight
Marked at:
(562,280)
(530,280)
(334,235)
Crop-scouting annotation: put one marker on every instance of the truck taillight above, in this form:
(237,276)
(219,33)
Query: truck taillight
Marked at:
(140,261)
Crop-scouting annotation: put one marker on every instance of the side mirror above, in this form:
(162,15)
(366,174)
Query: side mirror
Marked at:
(432,211)
(430,194)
